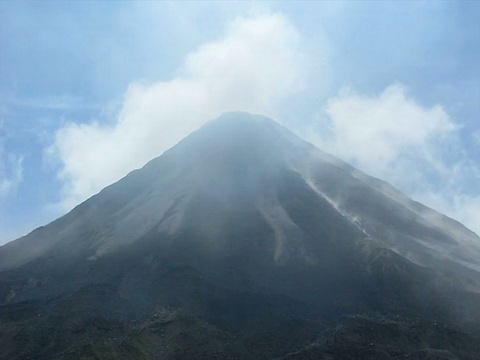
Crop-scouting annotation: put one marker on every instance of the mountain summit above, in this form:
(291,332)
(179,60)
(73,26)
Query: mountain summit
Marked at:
(243,241)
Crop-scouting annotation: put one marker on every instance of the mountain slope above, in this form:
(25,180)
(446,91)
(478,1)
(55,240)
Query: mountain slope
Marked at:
(244,232)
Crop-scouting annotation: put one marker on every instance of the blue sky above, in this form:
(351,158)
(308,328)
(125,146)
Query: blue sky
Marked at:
(92,90)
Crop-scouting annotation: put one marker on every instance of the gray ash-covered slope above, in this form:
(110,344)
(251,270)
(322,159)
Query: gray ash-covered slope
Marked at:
(245,242)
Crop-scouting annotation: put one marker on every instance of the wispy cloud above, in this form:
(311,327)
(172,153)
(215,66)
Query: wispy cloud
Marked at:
(11,173)
(476,137)
(11,168)
(60,102)
(252,68)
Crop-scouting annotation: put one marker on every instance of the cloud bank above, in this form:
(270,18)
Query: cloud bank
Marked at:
(255,65)
(415,148)
(385,133)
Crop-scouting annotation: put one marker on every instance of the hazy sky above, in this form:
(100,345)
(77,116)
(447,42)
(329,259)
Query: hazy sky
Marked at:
(92,90)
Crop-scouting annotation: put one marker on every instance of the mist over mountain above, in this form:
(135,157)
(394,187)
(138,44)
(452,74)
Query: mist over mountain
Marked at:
(243,242)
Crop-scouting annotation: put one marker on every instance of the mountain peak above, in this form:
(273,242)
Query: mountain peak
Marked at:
(236,128)
(240,118)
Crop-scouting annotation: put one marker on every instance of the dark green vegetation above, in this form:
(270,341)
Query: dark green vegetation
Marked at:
(243,242)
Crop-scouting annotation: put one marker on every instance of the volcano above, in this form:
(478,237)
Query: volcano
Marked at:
(243,241)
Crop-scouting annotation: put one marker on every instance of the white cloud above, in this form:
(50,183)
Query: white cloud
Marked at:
(413,147)
(376,132)
(254,66)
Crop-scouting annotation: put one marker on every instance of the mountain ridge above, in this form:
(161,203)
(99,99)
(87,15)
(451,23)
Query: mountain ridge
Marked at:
(240,229)
(252,126)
